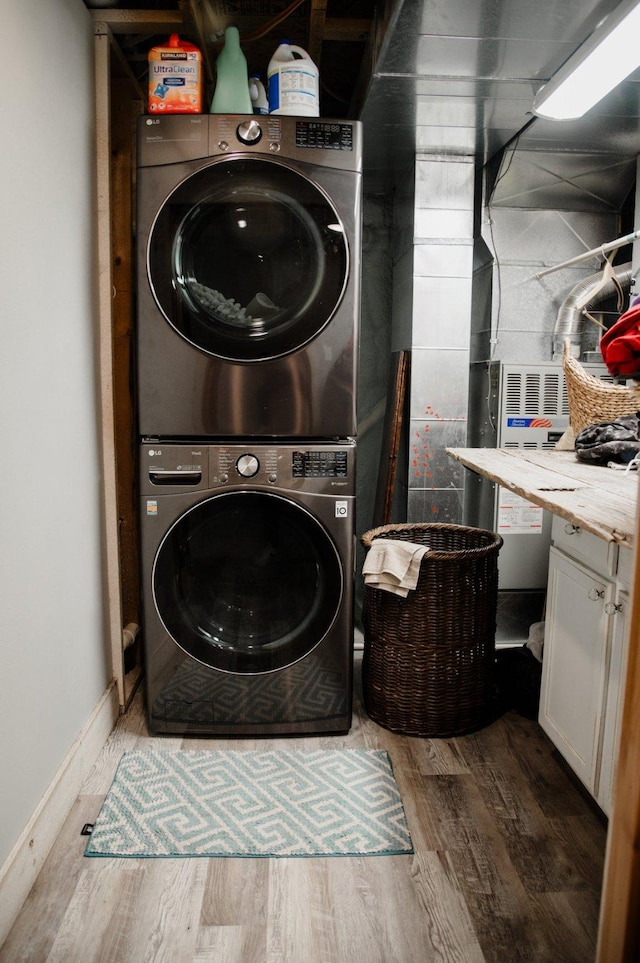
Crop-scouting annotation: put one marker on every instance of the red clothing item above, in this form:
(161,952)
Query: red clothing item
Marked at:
(620,345)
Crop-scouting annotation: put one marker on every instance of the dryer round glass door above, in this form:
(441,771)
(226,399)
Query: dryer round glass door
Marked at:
(247,582)
(247,259)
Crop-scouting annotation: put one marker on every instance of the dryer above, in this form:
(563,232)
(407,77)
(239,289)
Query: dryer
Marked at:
(247,568)
(248,289)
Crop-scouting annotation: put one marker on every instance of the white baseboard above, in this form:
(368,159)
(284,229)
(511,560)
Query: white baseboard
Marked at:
(26,859)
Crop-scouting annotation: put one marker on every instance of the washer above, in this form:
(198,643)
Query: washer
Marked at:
(248,289)
(247,569)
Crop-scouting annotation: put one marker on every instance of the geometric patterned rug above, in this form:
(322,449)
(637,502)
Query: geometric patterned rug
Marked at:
(326,802)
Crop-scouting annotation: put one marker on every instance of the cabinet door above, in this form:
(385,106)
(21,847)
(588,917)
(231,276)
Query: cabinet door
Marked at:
(573,675)
(611,727)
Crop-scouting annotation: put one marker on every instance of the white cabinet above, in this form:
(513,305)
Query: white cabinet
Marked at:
(584,653)
(573,668)
(613,703)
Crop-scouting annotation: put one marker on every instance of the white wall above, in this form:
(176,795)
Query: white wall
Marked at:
(53,665)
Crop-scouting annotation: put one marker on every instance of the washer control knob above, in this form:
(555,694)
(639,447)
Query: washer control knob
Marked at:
(272,478)
(247,466)
(249,132)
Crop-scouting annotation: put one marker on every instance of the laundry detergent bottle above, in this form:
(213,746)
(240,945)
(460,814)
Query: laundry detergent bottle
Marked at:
(175,78)
(294,85)
(231,94)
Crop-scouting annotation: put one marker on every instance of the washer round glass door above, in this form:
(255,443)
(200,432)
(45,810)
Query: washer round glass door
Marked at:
(247,582)
(247,259)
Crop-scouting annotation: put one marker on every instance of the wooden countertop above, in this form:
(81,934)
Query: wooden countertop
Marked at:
(599,500)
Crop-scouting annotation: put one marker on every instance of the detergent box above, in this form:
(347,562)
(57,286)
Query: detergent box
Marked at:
(175,78)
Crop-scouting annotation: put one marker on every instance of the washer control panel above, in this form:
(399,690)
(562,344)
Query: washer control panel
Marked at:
(320,468)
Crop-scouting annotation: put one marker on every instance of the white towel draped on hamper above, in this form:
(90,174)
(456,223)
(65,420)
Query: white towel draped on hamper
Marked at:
(393,565)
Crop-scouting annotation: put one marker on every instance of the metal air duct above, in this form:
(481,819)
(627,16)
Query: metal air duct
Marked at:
(570,319)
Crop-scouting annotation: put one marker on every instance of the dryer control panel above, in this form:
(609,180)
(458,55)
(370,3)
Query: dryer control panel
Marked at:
(174,139)
(324,135)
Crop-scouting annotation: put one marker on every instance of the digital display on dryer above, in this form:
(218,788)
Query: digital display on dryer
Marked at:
(319,464)
(324,136)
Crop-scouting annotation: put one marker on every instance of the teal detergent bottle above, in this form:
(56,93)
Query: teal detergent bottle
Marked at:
(231,94)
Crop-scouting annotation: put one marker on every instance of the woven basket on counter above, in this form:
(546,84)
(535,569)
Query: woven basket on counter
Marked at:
(429,659)
(592,400)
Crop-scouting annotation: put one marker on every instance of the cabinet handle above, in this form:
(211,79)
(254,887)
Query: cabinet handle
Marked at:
(611,608)
(595,594)
(570,529)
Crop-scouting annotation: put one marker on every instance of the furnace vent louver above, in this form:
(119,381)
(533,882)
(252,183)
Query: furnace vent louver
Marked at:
(534,408)
(534,393)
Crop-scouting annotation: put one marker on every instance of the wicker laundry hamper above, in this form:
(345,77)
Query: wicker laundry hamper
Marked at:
(592,400)
(429,659)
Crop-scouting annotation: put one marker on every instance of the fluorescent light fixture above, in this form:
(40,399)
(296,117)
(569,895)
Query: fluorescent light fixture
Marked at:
(605,58)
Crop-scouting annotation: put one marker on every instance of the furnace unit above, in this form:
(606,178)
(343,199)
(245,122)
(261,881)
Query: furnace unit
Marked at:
(516,406)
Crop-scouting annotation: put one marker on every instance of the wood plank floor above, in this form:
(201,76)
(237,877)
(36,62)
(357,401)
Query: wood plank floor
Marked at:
(507,869)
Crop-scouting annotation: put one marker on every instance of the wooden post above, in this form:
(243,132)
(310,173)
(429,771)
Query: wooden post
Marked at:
(619,933)
(114,623)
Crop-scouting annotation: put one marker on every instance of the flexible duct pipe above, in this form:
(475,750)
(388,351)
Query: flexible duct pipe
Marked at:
(570,320)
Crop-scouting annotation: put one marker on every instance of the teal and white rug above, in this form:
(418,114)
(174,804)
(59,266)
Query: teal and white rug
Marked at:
(332,802)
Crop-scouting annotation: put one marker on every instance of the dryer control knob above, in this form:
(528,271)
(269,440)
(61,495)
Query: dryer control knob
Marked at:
(247,466)
(249,132)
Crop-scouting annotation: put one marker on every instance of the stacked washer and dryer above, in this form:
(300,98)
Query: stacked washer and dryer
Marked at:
(248,298)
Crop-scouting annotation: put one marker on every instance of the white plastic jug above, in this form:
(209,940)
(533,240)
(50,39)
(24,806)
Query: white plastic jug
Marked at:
(258,95)
(294,85)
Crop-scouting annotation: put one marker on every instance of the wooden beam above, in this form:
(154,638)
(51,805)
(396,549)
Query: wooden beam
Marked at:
(102,47)
(375,36)
(619,931)
(140,21)
(124,115)
(396,417)
(317,17)
(194,22)
(102,29)
(321,27)
(345,29)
